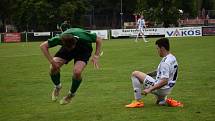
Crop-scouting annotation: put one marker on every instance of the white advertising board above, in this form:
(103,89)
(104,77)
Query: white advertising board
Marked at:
(101,33)
(183,32)
(42,33)
(134,32)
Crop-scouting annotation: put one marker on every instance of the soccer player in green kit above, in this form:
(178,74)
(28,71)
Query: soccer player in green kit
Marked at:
(76,44)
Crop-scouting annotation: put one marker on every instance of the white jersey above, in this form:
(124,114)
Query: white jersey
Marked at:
(168,68)
(141,23)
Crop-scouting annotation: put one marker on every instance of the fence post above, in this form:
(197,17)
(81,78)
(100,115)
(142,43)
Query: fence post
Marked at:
(26,36)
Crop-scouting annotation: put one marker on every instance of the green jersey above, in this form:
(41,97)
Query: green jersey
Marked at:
(82,35)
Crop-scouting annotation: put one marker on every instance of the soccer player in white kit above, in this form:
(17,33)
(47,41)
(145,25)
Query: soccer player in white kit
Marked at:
(166,76)
(141,25)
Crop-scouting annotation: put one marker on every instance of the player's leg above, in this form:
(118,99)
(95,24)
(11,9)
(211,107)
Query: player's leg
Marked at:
(55,74)
(77,78)
(137,35)
(142,34)
(76,81)
(137,79)
(161,95)
(55,77)
(162,99)
(82,55)
(63,56)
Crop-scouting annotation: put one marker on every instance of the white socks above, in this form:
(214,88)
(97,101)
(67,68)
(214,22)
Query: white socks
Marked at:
(58,86)
(137,88)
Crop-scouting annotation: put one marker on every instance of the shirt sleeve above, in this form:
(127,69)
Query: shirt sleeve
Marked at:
(54,41)
(164,70)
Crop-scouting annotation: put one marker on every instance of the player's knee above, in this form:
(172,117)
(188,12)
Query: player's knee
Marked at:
(135,73)
(77,72)
(53,71)
(140,75)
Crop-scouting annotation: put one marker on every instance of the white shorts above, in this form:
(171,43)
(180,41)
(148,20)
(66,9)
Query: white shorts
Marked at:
(149,81)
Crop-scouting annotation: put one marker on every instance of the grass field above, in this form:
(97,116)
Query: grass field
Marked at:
(25,86)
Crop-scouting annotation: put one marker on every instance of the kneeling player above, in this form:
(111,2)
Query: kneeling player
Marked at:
(161,86)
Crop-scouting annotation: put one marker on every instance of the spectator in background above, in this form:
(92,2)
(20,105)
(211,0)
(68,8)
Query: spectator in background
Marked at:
(207,17)
(203,13)
(64,26)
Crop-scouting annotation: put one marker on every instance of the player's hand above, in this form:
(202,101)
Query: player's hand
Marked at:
(146,91)
(55,66)
(95,60)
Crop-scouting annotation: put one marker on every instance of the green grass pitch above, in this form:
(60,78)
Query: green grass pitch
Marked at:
(25,86)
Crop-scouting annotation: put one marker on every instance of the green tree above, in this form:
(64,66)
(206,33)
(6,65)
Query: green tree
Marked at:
(41,15)
(7,9)
(159,11)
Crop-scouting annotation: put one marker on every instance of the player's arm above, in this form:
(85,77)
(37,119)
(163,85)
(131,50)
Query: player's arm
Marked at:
(164,70)
(45,50)
(97,52)
(137,24)
(158,85)
(61,28)
(144,24)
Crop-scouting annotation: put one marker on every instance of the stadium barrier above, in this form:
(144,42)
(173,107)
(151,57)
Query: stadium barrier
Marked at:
(208,30)
(114,33)
(12,37)
(167,32)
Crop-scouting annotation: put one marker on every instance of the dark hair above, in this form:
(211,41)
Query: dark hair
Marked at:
(68,40)
(163,42)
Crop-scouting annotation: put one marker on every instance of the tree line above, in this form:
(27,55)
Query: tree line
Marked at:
(44,15)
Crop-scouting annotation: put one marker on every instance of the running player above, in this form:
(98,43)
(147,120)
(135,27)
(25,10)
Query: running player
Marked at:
(76,44)
(140,26)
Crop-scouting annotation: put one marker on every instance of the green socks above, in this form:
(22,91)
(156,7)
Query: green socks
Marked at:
(75,85)
(55,78)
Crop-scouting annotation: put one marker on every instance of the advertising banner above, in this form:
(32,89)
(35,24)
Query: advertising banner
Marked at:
(154,31)
(123,32)
(12,37)
(134,32)
(183,32)
(101,33)
(42,33)
(208,30)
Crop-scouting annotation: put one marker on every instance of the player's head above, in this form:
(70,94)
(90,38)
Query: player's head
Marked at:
(141,16)
(68,41)
(162,46)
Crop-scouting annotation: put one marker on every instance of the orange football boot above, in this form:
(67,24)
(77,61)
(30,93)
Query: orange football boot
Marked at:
(135,104)
(173,103)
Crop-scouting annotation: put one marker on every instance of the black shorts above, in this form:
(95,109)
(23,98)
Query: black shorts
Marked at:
(81,52)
